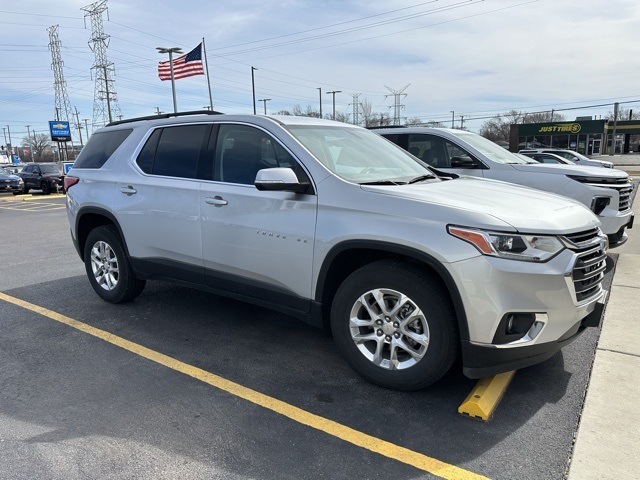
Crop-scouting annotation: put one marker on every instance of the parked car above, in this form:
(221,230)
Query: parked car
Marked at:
(332,224)
(42,176)
(10,183)
(547,158)
(606,191)
(12,168)
(571,155)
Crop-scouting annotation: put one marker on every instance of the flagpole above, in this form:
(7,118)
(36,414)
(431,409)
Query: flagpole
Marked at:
(206,64)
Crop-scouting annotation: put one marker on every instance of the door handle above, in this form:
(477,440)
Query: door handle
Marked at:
(128,190)
(217,201)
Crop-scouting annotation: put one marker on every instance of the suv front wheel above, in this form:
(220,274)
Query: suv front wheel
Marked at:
(108,268)
(395,325)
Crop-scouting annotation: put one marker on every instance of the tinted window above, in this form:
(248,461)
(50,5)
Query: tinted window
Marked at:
(241,151)
(178,151)
(148,152)
(100,147)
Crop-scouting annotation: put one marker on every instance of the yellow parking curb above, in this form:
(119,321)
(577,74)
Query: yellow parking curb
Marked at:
(485,396)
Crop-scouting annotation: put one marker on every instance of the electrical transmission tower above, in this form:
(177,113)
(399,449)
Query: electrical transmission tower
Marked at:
(62,106)
(356,108)
(105,100)
(396,103)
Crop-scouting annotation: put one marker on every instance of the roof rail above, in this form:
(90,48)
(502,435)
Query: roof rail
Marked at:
(386,126)
(165,115)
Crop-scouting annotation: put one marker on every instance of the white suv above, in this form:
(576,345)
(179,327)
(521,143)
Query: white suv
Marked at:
(334,225)
(607,192)
(573,156)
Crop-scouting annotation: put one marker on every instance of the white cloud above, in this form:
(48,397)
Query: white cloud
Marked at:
(475,57)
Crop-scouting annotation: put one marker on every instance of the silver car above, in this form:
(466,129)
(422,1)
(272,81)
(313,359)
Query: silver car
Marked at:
(335,225)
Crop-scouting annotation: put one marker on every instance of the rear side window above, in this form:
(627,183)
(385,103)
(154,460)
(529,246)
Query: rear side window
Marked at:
(100,147)
(173,151)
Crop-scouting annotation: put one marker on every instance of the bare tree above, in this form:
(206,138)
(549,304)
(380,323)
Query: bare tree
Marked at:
(497,128)
(38,146)
(624,114)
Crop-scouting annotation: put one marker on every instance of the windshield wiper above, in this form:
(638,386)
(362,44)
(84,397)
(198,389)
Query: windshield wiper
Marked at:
(383,182)
(421,178)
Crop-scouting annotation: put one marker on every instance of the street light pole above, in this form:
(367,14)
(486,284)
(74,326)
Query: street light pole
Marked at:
(29,137)
(452,118)
(333,92)
(264,101)
(320,90)
(253,89)
(171,51)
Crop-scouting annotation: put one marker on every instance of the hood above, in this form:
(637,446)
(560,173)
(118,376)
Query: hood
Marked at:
(525,209)
(9,176)
(582,170)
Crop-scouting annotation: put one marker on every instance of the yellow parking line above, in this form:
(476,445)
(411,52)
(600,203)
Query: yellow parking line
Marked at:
(330,427)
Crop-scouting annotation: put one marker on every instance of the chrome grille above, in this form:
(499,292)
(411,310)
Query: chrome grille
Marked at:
(625,198)
(591,261)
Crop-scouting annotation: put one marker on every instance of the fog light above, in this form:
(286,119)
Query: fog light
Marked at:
(598,204)
(513,326)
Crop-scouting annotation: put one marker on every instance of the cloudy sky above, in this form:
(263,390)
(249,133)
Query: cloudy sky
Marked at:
(477,58)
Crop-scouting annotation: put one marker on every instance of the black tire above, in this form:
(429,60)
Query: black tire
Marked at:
(25,189)
(108,267)
(427,309)
(46,188)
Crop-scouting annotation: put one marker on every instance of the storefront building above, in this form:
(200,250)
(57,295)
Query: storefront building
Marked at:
(589,137)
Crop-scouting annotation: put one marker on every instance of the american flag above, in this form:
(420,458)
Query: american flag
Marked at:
(184,66)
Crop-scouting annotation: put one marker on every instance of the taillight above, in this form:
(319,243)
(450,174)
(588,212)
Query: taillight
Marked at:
(70,181)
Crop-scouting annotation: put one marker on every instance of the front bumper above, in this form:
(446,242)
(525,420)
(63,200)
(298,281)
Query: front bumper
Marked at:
(552,294)
(485,360)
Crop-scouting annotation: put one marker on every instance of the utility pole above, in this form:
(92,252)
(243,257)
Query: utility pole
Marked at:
(158,112)
(461,122)
(612,151)
(79,126)
(86,127)
(334,101)
(264,102)
(396,103)
(253,89)
(320,92)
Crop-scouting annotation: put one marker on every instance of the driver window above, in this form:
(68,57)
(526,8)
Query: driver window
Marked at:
(428,148)
(241,151)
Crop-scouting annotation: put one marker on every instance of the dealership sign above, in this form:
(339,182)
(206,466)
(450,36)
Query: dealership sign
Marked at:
(60,131)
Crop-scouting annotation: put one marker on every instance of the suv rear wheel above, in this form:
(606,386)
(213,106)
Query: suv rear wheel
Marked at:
(108,268)
(395,325)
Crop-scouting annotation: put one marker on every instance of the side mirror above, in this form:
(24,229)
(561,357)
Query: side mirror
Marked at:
(279,180)
(462,162)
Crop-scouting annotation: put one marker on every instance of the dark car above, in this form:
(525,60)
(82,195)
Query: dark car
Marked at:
(10,183)
(42,176)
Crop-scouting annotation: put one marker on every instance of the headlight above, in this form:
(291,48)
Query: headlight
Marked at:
(526,248)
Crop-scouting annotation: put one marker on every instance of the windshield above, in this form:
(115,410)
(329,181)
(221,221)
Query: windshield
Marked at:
(360,156)
(13,168)
(490,149)
(50,169)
